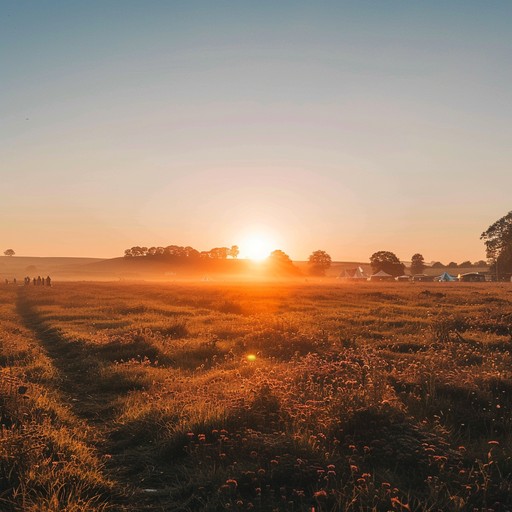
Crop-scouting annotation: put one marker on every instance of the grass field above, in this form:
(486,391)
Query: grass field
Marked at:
(287,397)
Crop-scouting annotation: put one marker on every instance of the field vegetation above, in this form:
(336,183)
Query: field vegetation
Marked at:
(283,396)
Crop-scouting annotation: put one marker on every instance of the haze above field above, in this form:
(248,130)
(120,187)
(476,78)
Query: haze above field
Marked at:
(351,127)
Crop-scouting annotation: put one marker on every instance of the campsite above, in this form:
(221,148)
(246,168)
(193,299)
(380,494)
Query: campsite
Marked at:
(263,396)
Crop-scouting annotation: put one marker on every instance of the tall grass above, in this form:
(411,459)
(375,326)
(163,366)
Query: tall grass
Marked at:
(355,397)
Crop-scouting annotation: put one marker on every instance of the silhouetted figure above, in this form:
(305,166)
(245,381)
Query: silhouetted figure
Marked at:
(38,280)
(6,281)
(34,281)
(14,281)
(48,281)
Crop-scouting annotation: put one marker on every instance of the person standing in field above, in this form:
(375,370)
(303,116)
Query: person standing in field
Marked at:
(48,281)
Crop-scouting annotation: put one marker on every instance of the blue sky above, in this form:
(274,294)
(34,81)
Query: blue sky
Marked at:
(346,126)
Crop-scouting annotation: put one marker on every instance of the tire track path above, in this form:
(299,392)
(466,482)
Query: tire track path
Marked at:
(91,398)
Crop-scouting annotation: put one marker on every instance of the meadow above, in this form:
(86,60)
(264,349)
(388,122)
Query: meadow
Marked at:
(305,396)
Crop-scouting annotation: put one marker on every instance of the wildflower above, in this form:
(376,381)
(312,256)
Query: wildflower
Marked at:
(233,484)
(319,495)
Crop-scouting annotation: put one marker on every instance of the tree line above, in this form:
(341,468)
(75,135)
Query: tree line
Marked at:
(497,239)
(178,252)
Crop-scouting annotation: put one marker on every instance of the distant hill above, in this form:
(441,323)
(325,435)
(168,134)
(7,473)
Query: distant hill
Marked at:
(21,266)
(97,269)
(161,267)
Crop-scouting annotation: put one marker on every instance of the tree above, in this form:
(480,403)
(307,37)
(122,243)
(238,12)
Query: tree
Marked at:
(219,253)
(319,262)
(437,264)
(387,262)
(417,264)
(9,252)
(498,245)
(280,263)
(452,264)
(234,252)
(465,264)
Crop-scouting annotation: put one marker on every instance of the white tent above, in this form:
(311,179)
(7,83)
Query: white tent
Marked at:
(381,276)
(353,273)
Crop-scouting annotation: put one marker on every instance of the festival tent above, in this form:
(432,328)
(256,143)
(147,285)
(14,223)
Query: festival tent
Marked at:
(445,277)
(353,273)
(381,276)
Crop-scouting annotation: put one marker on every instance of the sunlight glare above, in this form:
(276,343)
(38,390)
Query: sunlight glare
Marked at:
(255,247)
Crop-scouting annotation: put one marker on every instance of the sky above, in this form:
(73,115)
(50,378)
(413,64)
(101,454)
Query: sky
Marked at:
(346,126)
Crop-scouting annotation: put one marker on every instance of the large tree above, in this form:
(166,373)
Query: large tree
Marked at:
(417,264)
(9,252)
(387,262)
(280,263)
(498,245)
(319,262)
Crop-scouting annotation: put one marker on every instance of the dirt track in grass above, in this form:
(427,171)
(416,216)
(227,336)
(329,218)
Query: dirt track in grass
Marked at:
(93,397)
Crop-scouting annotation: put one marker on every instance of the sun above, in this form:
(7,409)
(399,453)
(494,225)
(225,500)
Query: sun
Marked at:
(256,247)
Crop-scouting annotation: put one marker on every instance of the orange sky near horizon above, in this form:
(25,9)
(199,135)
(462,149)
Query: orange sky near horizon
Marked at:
(350,127)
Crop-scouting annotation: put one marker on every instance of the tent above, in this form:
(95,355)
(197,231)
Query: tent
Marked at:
(381,276)
(472,277)
(422,277)
(445,278)
(354,274)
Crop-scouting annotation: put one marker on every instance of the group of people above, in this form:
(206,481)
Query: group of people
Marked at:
(38,281)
